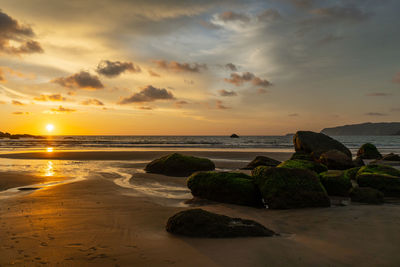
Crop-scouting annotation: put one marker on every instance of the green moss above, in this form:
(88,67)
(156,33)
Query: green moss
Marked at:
(366,195)
(303,164)
(351,173)
(389,185)
(335,183)
(284,188)
(302,156)
(379,169)
(229,187)
(369,151)
(179,165)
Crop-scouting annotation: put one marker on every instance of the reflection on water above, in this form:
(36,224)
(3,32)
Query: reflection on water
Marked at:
(49,170)
(49,149)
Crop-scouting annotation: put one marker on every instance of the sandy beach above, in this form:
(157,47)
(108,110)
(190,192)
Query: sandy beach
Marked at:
(117,218)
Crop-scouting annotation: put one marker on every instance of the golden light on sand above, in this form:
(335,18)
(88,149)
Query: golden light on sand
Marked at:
(50,127)
(49,149)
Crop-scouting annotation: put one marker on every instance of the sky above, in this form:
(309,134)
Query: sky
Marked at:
(155,67)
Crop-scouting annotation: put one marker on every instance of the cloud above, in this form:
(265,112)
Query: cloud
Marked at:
(20,113)
(16,38)
(61,109)
(224,92)
(395,109)
(148,94)
(261,91)
(269,15)
(53,97)
(349,13)
(180,103)
(220,105)
(231,67)
(330,38)
(2,77)
(82,80)
(238,79)
(396,78)
(153,73)
(233,16)
(378,94)
(209,25)
(92,101)
(293,115)
(112,69)
(17,103)
(302,3)
(180,67)
(145,108)
(374,114)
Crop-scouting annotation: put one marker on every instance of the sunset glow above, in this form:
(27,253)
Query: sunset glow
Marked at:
(50,128)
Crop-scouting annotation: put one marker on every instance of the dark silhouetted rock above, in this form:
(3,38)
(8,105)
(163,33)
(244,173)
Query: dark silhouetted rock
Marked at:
(383,178)
(391,157)
(229,187)
(303,164)
(317,143)
(179,165)
(234,136)
(336,160)
(358,162)
(261,161)
(366,195)
(336,183)
(302,155)
(351,173)
(368,151)
(286,188)
(201,223)
(379,128)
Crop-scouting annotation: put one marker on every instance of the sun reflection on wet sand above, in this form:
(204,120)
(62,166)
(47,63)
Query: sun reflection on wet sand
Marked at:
(49,170)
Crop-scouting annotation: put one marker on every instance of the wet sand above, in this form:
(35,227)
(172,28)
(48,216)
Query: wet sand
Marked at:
(95,222)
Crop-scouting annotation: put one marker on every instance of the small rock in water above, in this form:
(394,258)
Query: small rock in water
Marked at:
(234,136)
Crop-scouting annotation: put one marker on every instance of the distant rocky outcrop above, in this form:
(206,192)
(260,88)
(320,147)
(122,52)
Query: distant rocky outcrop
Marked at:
(201,223)
(234,136)
(18,136)
(381,128)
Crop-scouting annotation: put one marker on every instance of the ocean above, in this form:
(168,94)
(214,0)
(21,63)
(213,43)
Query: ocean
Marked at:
(386,144)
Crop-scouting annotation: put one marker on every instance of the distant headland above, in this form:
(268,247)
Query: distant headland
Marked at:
(368,128)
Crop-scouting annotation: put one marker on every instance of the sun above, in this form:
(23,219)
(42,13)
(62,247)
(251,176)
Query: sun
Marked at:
(50,127)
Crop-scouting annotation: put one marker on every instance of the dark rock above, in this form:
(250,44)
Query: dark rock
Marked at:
(391,157)
(358,162)
(351,173)
(302,155)
(317,143)
(335,183)
(234,136)
(285,188)
(336,160)
(368,151)
(229,187)
(179,165)
(261,161)
(303,164)
(380,177)
(366,195)
(201,223)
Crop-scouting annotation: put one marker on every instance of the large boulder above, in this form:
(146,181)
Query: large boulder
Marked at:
(201,223)
(358,162)
(383,178)
(286,188)
(366,195)
(302,155)
(179,165)
(368,151)
(336,160)
(351,173)
(229,187)
(303,164)
(336,183)
(317,143)
(261,161)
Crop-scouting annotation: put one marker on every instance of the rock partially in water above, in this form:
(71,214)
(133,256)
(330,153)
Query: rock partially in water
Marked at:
(234,136)
(391,157)
(201,223)
(368,151)
(179,165)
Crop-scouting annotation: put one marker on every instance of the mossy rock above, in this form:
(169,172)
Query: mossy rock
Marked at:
(336,183)
(229,187)
(368,151)
(381,177)
(201,223)
(358,162)
(302,156)
(261,161)
(351,173)
(366,195)
(336,160)
(303,164)
(391,157)
(179,165)
(286,188)
(379,169)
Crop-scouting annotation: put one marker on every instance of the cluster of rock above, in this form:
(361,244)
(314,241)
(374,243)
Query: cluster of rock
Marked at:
(18,136)
(321,167)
